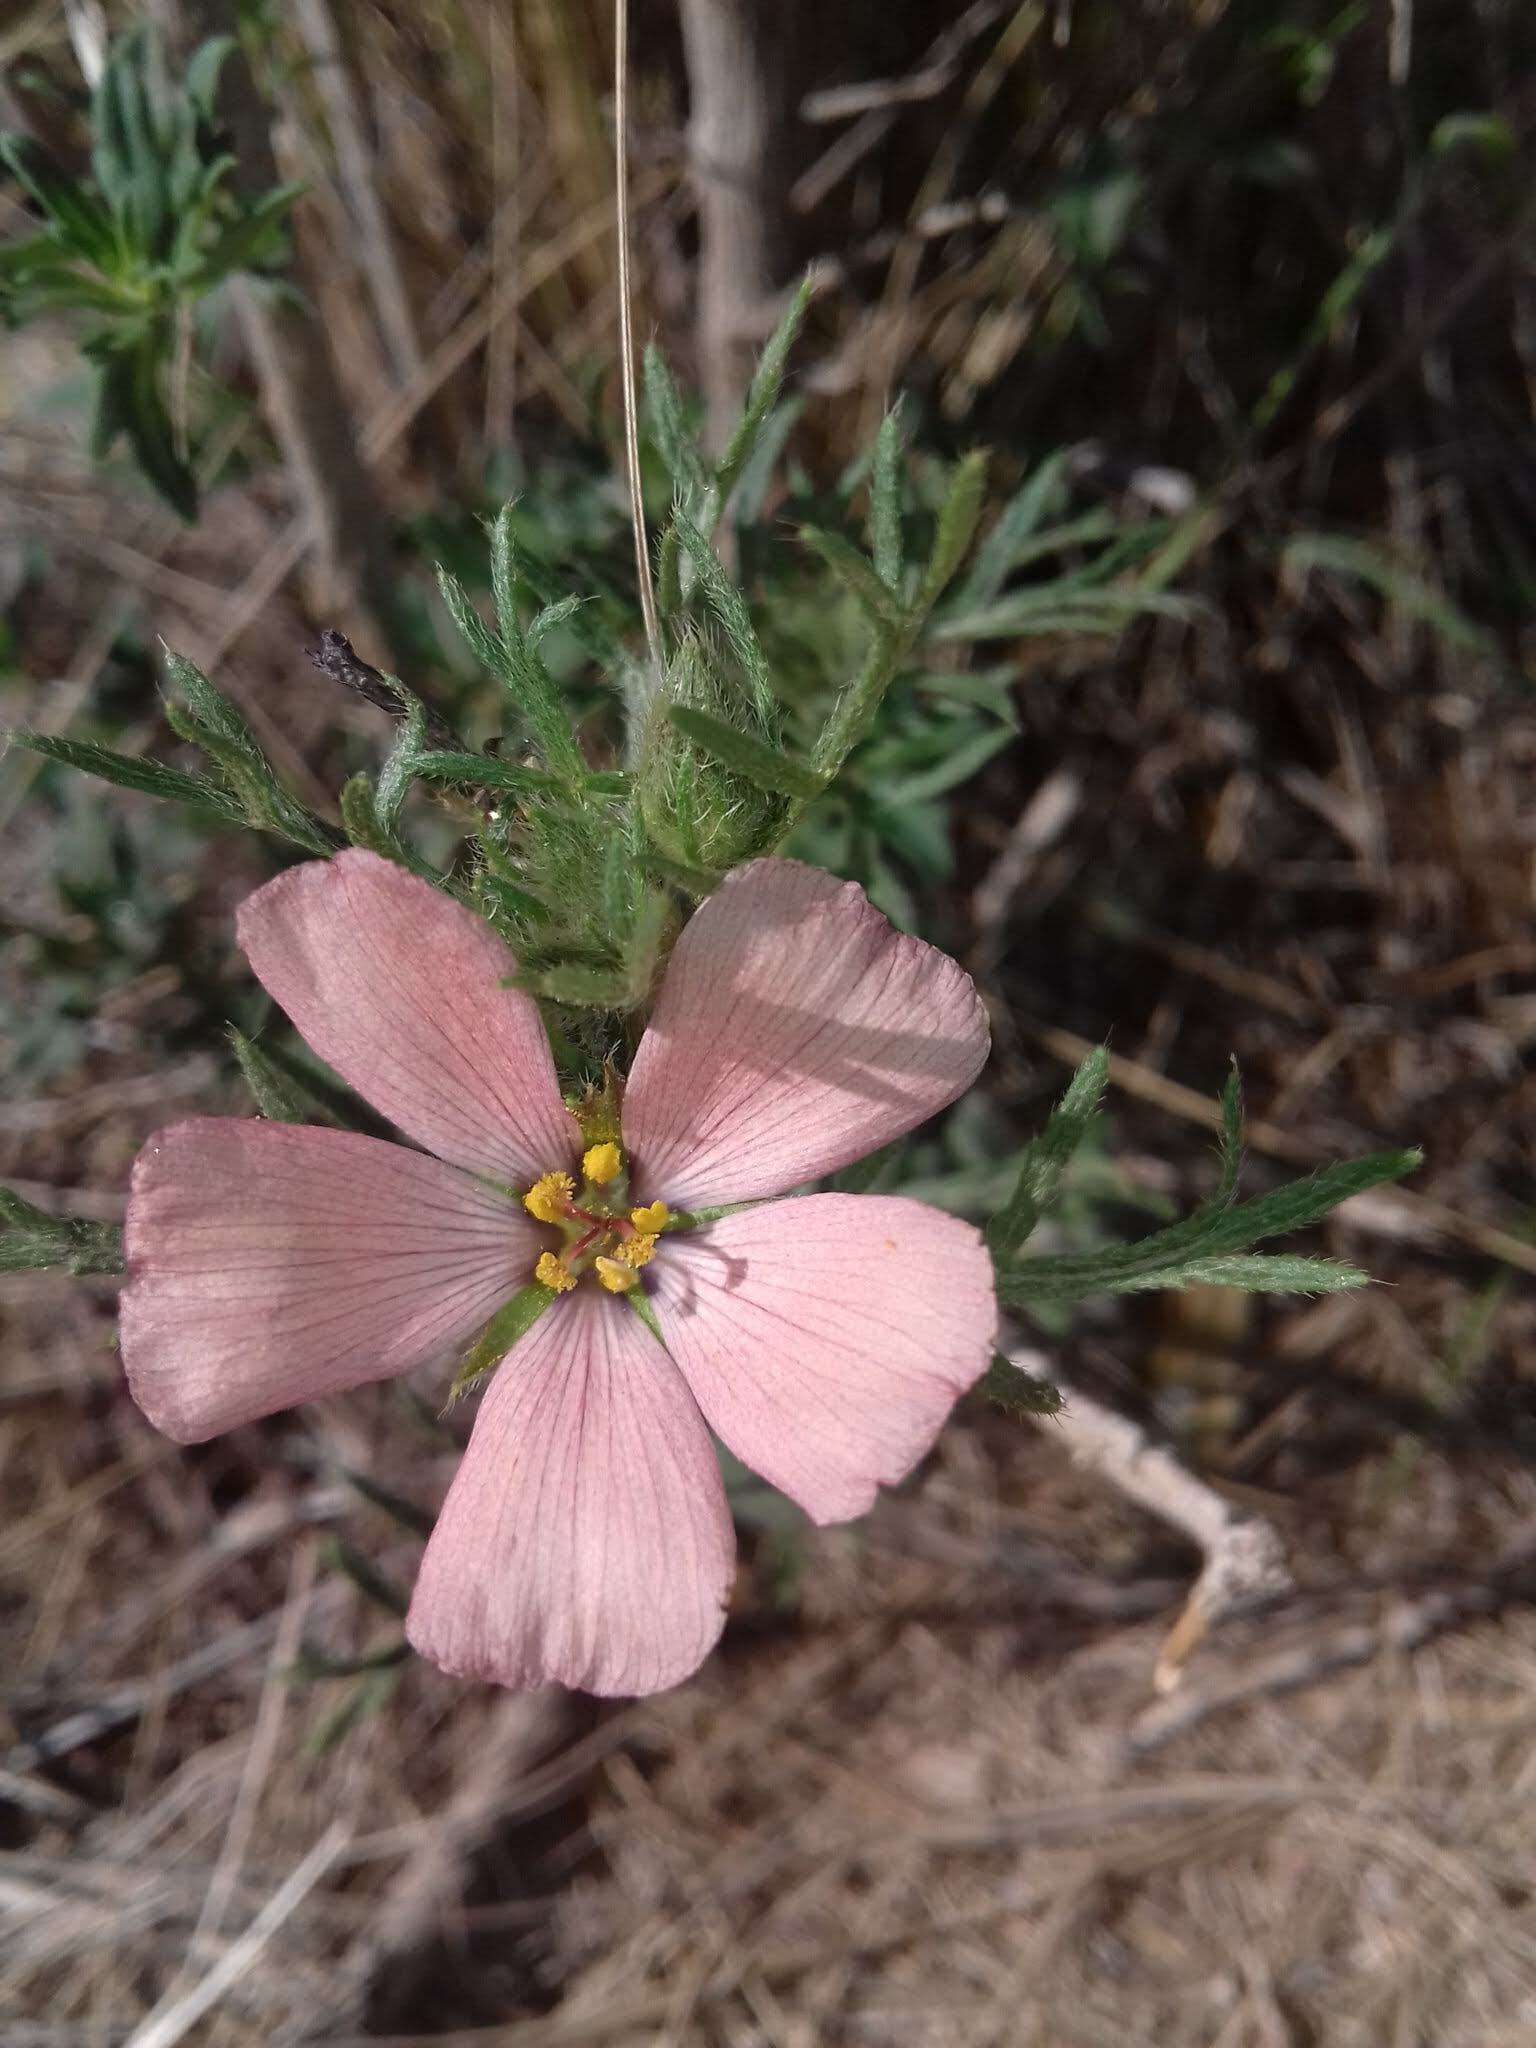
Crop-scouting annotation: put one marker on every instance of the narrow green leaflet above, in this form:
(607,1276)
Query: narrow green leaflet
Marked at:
(129,771)
(32,1240)
(885,499)
(1046,1158)
(859,576)
(1167,1254)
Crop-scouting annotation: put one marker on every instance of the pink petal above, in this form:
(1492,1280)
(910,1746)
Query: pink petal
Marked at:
(585,1539)
(795,1032)
(399,989)
(827,1338)
(270,1264)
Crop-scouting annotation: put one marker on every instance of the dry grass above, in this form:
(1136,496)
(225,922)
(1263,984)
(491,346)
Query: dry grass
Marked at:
(930,1800)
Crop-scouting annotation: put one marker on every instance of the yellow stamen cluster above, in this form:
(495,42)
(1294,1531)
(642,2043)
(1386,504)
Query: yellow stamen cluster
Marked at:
(548,1198)
(550,1273)
(602,1163)
(597,1239)
(618,1279)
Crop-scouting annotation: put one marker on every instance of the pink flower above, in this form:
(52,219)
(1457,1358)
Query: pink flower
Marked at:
(586,1538)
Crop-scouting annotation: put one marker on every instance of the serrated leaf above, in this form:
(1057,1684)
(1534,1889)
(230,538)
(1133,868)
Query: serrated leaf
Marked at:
(752,759)
(1047,1157)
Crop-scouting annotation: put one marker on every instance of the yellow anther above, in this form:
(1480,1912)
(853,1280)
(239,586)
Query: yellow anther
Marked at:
(636,1251)
(602,1163)
(547,1198)
(551,1274)
(616,1278)
(651,1220)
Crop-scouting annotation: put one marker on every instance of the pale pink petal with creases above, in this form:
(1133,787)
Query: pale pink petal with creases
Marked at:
(827,1337)
(585,1539)
(399,989)
(795,1031)
(271,1264)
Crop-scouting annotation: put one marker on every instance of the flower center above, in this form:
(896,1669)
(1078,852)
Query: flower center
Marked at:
(599,1233)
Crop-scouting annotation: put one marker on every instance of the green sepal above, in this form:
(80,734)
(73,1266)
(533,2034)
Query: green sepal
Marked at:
(645,1309)
(507,1327)
(752,759)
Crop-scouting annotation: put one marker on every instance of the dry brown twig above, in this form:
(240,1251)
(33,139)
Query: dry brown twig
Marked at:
(1244,1555)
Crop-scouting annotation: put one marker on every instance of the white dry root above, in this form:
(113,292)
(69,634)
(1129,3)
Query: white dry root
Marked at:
(1244,1556)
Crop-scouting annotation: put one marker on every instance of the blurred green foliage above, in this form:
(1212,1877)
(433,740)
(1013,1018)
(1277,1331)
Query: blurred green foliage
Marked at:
(133,245)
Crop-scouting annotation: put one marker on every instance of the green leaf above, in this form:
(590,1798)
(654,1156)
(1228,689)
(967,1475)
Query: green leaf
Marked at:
(360,819)
(1046,1158)
(507,654)
(1003,551)
(959,766)
(1253,1273)
(885,499)
(130,403)
(274,1094)
(76,215)
(507,1327)
(761,398)
(1203,1236)
(152,778)
(729,609)
(483,771)
(1229,1144)
(400,768)
(1338,555)
(857,574)
(752,759)
(956,530)
(33,1240)
(211,722)
(669,429)
(1488,132)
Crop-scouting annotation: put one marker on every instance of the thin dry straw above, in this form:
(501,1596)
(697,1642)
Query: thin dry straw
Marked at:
(627,330)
